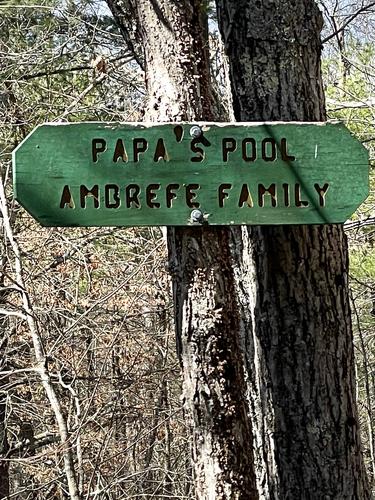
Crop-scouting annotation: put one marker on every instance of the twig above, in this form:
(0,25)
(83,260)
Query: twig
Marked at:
(368,103)
(6,312)
(87,90)
(40,356)
(74,68)
(39,441)
(348,21)
(355,224)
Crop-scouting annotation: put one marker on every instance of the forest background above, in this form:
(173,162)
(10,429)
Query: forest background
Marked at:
(99,299)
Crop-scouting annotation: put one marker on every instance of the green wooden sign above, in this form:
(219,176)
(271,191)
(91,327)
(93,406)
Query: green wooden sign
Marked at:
(109,174)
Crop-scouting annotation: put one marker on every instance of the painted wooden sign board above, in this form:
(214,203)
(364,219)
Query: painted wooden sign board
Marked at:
(110,174)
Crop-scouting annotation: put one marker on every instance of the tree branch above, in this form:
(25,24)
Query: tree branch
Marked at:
(40,356)
(39,441)
(368,103)
(356,224)
(348,21)
(74,68)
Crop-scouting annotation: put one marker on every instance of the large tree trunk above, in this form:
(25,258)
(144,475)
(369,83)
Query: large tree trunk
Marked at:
(274,300)
(207,316)
(299,345)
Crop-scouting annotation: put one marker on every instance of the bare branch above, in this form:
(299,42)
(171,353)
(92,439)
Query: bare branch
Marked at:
(60,71)
(39,441)
(356,224)
(338,105)
(40,353)
(348,21)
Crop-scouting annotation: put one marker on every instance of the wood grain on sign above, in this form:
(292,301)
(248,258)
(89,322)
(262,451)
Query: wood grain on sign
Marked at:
(109,174)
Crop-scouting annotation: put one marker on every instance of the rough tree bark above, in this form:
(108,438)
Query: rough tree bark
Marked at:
(298,347)
(273,300)
(207,316)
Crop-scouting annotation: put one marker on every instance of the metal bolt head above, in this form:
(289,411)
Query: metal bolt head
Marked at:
(196,216)
(196,131)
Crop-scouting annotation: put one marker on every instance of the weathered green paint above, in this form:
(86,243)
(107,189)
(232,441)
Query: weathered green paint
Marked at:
(108,174)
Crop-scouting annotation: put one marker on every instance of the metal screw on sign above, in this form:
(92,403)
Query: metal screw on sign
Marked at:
(196,217)
(196,131)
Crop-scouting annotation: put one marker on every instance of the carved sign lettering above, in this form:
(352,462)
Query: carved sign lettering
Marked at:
(103,174)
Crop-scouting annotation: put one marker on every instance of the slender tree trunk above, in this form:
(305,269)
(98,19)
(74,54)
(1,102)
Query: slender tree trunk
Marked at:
(298,345)
(41,361)
(207,316)
(4,445)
